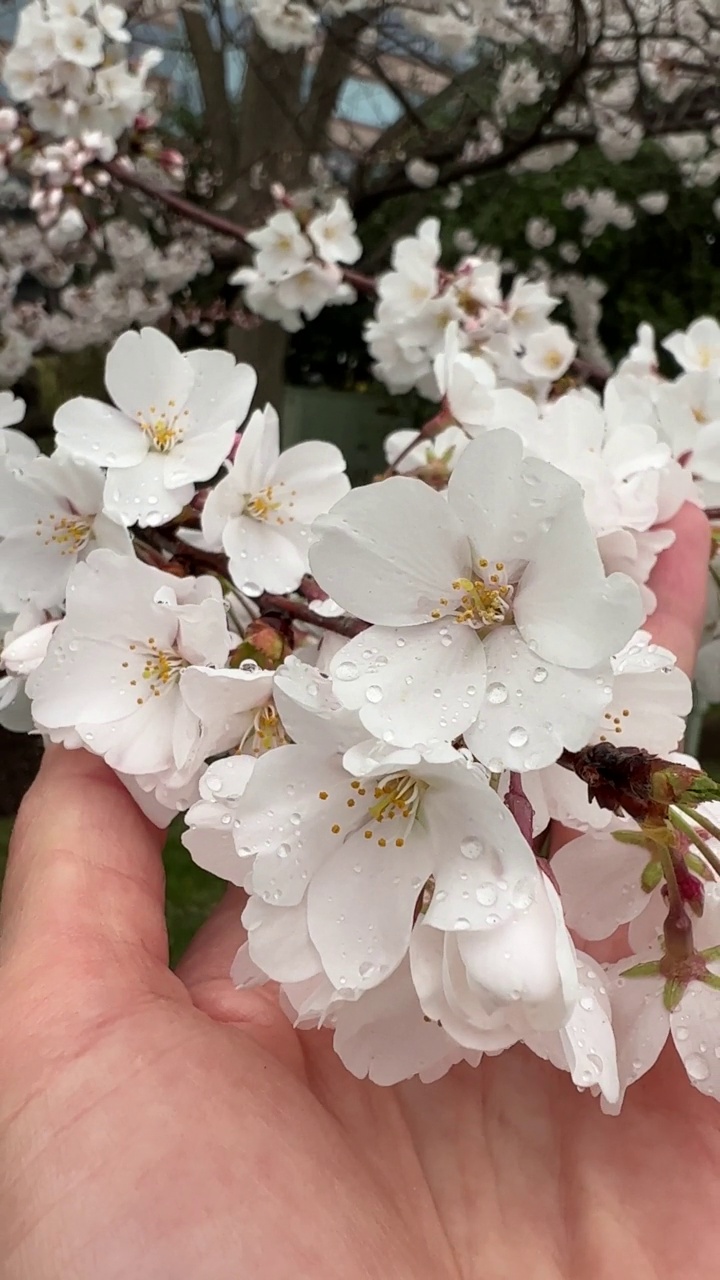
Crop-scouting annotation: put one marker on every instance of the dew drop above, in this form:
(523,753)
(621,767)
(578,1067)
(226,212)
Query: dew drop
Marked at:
(226,819)
(486,894)
(374,693)
(523,894)
(408,679)
(471,691)
(540,675)
(517,736)
(462,923)
(495,764)
(440,896)
(497,693)
(471,847)
(365,969)
(214,784)
(492,919)
(696,1068)
(347,671)
(587,1003)
(401,642)
(682,1033)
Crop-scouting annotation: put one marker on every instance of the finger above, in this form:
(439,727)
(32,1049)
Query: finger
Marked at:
(255,1011)
(209,956)
(679,581)
(85,867)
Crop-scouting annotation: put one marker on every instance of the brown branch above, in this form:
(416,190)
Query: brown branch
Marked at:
(206,218)
(346,626)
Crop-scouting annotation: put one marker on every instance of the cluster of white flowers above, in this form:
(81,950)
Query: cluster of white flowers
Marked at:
(510,335)
(66,64)
(374,752)
(297,268)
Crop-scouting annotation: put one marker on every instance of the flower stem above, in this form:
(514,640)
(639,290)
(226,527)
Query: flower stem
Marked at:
(681,824)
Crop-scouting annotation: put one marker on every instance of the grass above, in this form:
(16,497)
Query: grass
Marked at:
(190,893)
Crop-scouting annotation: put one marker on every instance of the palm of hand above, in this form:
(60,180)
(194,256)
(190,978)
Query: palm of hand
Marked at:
(169,1128)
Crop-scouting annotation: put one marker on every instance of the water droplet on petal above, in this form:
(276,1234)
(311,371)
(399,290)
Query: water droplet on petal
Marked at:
(471,847)
(497,693)
(696,1067)
(523,894)
(587,1003)
(540,674)
(347,671)
(374,693)
(462,923)
(486,894)
(296,819)
(365,969)
(517,736)
(214,784)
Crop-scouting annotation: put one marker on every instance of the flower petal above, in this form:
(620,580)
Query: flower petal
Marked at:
(640,1021)
(412,688)
(361,905)
(145,373)
(279,942)
(96,432)
(137,494)
(600,883)
(565,608)
(389,552)
(532,708)
(484,869)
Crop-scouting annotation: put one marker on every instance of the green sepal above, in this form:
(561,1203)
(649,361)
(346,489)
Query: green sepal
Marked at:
(651,876)
(673,993)
(648,969)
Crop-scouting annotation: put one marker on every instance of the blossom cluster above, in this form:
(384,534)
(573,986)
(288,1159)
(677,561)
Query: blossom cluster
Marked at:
(297,266)
(372,703)
(417,299)
(66,65)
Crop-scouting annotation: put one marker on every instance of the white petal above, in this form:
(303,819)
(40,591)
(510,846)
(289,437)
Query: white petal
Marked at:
(261,557)
(441,983)
(599,881)
(389,552)
(413,687)
(361,905)
(640,1021)
(695,1027)
(96,432)
(137,495)
(284,821)
(198,457)
(278,941)
(503,500)
(144,372)
(565,607)
(533,709)
(527,963)
(385,1037)
(485,872)
(222,391)
(310,711)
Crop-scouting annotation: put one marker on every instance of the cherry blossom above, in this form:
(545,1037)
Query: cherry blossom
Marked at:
(129,633)
(260,513)
(473,632)
(51,515)
(174,422)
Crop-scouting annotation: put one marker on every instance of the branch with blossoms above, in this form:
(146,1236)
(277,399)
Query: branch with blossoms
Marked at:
(370,703)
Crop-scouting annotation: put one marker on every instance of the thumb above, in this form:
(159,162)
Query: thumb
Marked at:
(85,869)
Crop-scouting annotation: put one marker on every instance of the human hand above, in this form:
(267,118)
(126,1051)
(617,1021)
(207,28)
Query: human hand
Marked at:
(164,1126)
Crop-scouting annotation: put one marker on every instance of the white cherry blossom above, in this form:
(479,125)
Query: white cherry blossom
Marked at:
(51,516)
(112,676)
(261,511)
(333,234)
(174,422)
(698,348)
(474,632)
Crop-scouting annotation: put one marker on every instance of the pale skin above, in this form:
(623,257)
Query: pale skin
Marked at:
(163,1126)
